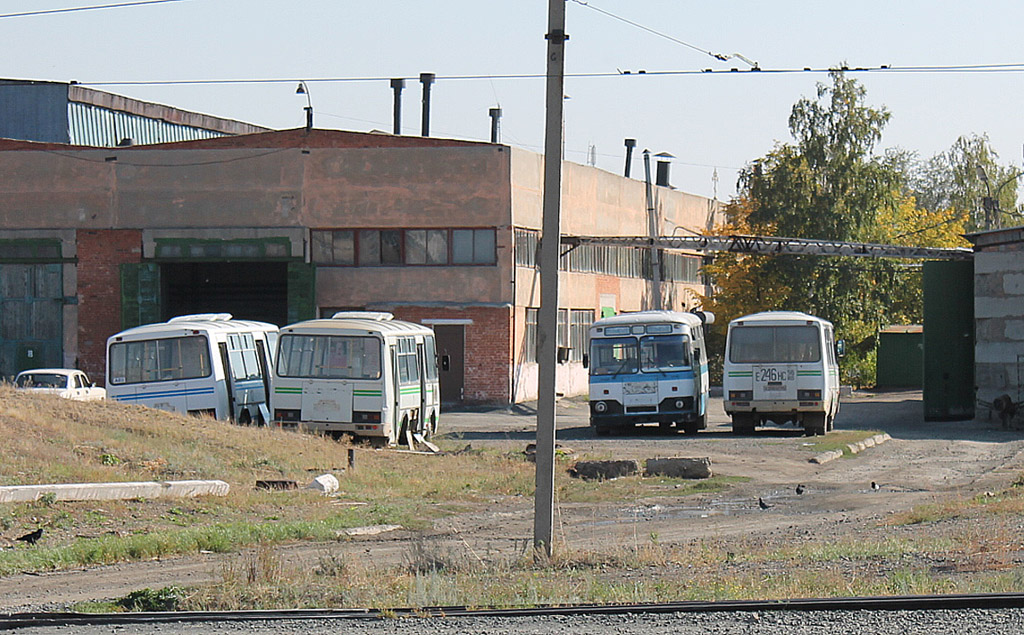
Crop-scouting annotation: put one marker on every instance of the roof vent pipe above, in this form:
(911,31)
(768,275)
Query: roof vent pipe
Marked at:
(630,144)
(397,85)
(426,79)
(495,114)
(661,177)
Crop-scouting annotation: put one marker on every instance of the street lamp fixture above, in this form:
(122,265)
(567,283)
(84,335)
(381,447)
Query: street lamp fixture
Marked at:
(303,90)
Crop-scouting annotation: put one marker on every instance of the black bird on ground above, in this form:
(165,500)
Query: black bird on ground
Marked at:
(875,486)
(800,489)
(31,537)
(763,505)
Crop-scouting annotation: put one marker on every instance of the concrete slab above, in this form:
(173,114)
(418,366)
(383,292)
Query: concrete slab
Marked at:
(679,467)
(113,491)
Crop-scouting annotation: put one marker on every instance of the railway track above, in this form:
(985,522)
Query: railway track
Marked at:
(878,603)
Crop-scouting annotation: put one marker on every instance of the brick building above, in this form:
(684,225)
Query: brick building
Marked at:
(286,225)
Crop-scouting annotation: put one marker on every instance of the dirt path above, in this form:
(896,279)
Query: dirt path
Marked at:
(924,462)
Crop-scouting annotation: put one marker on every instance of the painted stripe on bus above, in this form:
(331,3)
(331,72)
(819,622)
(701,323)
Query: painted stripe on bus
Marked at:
(808,373)
(741,373)
(166,393)
(281,390)
(367,393)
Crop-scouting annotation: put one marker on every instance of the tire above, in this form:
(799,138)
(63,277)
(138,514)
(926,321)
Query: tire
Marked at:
(691,428)
(602,431)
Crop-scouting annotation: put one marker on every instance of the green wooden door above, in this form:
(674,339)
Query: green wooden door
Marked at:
(31,324)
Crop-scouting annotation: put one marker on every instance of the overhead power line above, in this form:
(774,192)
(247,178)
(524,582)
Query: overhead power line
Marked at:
(717,56)
(1016,67)
(119,5)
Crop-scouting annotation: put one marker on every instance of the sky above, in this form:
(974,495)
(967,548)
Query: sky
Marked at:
(712,123)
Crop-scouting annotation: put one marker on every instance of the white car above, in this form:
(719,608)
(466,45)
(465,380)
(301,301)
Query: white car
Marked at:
(64,382)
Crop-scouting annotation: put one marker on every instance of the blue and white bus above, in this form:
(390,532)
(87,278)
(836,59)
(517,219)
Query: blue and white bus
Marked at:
(202,364)
(649,367)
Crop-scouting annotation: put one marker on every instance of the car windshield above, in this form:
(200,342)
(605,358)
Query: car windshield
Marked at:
(614,356)
(42,380)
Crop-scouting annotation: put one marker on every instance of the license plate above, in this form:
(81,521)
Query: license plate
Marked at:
(770,375)
(640,388)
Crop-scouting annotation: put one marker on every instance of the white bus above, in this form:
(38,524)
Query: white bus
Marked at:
(781,366)
(649,367)
(361,373)
(202,364)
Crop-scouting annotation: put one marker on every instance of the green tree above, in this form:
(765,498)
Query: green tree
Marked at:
(829,185)
(956,180)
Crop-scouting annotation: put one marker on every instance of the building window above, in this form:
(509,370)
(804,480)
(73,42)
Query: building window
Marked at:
(530,336)
(579,325)
(380,247)
(526,247)
(411,247)
(426,246)
(473,247)
(334,247)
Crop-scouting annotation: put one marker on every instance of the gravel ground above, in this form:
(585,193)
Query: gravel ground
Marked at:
(990,622)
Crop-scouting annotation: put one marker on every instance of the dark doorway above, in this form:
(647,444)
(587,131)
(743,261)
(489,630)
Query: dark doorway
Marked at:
(246,290)
(451,342)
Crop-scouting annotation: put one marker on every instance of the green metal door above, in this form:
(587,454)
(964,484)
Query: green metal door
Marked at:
(948,340)
(31,324)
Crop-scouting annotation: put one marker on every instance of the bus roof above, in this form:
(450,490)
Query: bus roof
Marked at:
(200,322)
(346,323)
(648,317)
(778,316)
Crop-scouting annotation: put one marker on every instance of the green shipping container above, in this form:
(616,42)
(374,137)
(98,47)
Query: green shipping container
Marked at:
(900,357)
(948,340)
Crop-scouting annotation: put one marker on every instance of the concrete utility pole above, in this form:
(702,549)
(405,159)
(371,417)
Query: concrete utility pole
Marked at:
(550,247)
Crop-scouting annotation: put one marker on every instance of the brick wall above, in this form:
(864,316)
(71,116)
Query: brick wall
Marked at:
(488,363)
(100,255)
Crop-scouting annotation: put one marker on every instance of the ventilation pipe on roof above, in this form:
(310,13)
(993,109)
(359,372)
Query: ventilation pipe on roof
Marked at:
(663,165)
(495,114)
(397,85)
(630,144)
(426,79)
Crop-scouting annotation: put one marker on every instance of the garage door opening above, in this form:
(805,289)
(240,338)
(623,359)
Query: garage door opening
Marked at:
(246,290)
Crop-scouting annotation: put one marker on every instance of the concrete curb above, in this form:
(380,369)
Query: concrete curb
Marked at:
(854,448)
(113,491)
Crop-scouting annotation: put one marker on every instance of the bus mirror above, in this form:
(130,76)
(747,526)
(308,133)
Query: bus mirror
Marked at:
(840,348)
(563,354)
(446,362)
(706,317)
(586,360)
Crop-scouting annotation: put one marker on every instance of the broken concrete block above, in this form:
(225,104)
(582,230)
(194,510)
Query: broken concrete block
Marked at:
(604,470)
(325,484)
(825,457)
(679,467)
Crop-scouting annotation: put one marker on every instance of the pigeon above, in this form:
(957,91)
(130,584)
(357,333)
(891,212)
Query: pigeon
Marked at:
(800,489)
(32,536)
(762,504)
(875,486)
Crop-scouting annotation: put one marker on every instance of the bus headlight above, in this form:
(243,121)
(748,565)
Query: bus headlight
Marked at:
(680,404)
(600,407)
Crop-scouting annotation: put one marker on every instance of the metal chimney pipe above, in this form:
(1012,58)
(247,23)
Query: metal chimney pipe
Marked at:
(397,85)
(426,79)
(663,164)
(630,144)
(495,114)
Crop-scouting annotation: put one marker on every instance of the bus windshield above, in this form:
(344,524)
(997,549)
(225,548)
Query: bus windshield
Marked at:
(614,356)
(770,344)
(663,353)
(329,357)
